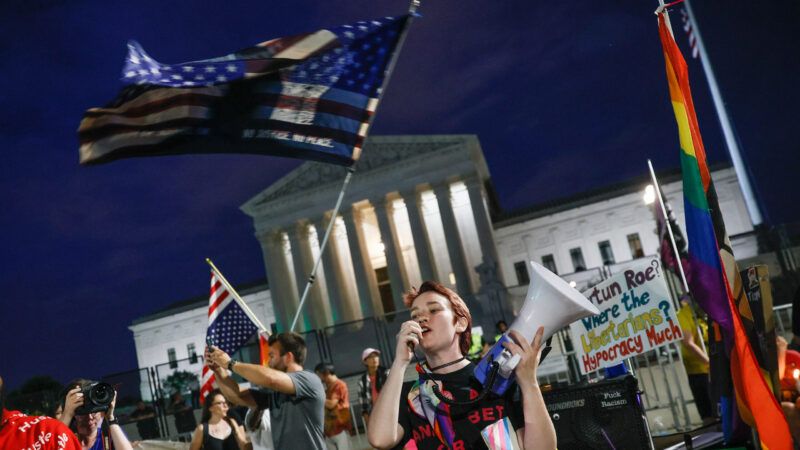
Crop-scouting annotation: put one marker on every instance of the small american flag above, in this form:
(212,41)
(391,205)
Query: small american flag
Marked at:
(687,27)
(309,96)
(229,327)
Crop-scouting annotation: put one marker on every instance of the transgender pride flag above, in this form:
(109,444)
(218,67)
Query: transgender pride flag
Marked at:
(715,276)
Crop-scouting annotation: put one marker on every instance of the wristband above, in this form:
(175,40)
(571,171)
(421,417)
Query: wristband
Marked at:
(113,421)
(232,363)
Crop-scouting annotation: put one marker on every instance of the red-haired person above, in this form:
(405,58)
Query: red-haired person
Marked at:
(441,326)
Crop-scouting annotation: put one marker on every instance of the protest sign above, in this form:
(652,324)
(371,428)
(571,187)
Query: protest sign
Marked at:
(636,315)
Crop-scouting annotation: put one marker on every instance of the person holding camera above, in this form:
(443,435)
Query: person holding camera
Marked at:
(218,431)
(18,431)
(440,327)
(91,405)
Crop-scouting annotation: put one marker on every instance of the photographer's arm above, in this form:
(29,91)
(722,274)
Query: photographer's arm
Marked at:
(118,437)
(539,432)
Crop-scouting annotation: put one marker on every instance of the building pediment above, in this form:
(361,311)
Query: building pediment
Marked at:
(379,152)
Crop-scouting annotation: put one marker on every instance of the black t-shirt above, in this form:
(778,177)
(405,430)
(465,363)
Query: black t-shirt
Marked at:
(468,421)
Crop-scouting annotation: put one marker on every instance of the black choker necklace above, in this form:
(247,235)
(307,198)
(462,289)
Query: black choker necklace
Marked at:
(434,369)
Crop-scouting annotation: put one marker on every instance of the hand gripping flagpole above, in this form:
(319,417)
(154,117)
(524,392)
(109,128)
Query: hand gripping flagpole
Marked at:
(250,314)
(412,12)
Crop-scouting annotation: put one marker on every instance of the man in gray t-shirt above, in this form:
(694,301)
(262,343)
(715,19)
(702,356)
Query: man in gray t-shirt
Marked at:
(295,397)
(296,419)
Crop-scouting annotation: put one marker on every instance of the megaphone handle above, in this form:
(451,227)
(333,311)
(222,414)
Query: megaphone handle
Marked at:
(546,350)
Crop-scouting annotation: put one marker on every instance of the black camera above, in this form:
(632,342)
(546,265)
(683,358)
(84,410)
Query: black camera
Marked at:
(97,396)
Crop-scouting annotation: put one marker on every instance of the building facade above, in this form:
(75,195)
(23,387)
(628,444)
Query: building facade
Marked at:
(419,208)
(415,210)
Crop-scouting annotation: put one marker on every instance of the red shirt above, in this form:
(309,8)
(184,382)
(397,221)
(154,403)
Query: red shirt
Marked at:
(338,419)
(21,432)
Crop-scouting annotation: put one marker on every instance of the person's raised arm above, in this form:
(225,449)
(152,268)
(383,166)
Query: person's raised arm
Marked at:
(539,432)
(256,374)
(384,431)
(118,437)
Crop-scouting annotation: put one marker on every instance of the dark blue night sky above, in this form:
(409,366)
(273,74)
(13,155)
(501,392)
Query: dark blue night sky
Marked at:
(564,96)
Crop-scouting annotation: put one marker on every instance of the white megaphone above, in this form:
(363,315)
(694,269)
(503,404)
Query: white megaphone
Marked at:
(550,303)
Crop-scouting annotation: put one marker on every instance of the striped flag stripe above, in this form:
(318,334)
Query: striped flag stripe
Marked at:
(183,98)
(179,118)
(138,133)
(157,94)
(216,302)
(176,142)
(193,111)
(96,119)
(98,151)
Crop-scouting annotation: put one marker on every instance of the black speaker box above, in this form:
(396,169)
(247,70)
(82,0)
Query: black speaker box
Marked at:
(606,415)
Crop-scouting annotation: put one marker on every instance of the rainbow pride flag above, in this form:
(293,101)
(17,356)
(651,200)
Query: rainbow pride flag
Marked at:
(715,277)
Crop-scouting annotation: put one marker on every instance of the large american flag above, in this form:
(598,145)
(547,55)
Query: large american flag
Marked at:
(229,327)
(309,96)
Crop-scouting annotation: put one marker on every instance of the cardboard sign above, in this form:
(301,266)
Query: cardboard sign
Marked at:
(636,316)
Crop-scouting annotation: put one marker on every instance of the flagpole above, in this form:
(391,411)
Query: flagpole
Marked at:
(322,246)
(412,12)
(663,209)
(725,123)
(236,297)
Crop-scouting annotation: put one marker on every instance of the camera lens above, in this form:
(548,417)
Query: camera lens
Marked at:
(101,394)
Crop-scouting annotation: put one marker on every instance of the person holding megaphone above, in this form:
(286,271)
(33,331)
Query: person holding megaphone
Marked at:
(447,407)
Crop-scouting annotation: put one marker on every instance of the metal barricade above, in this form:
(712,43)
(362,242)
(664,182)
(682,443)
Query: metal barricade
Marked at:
(347,341)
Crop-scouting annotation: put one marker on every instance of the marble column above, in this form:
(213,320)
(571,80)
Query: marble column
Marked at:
(312,315)
(453,239)
(389,239)
(422,245)
(333,276)
(483,223)
(283,300)
(362,269)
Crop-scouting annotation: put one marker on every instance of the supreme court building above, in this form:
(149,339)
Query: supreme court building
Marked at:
(416,209)
(420,208)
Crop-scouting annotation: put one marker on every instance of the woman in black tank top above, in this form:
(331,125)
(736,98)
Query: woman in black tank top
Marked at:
(218,431)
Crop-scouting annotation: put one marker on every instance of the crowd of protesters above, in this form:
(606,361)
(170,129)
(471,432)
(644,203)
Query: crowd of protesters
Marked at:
(289,406)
